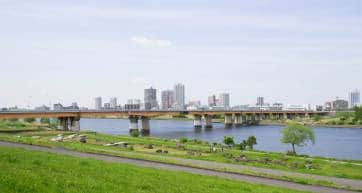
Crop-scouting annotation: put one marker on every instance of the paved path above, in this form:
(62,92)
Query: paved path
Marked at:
(144,163)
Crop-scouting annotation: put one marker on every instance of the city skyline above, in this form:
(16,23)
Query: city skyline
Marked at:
(285,51)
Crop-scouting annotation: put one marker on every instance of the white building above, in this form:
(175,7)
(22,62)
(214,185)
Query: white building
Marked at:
(113,103)
(98,103)
(354,98)
(167,99)
(224,100)
(179,92)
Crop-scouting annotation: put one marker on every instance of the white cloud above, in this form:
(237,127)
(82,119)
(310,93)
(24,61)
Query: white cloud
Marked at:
(150,42)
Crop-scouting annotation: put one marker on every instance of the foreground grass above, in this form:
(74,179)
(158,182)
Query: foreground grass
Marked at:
(31,171)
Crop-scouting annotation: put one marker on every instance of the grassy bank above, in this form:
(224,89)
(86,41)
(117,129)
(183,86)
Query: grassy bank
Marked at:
(30,171)
(169,151)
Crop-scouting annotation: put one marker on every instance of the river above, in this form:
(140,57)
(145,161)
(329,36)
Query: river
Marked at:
(341,143)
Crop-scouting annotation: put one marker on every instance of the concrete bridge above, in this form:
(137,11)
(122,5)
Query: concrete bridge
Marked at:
(69,119)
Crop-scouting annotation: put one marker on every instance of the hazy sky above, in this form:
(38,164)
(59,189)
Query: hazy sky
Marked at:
(296,52)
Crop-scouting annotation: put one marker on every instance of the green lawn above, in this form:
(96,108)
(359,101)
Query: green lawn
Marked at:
(31,171)
(199,151)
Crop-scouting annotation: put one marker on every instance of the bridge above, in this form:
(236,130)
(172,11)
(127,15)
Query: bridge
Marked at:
(69,119)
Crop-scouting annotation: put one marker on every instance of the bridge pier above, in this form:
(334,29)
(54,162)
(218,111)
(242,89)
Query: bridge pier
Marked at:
(228,120)
(63,123)
(238,120)
(74,123)
(257,119)
(197,121)
(249,119)
(145,126)
(133,123)
(208,121)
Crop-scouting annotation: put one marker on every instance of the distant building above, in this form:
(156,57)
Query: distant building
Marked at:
(107,105)
(57,107)
(150,98)
(113,103)
(98,103)
(211,101)
(42,108)
(194,103)
(328,106)
(179,96)
(277,106)
(132,106)
(167,99)
(354,98)
(224,100)
(339,105)
(319,108)
(295,108)
(260,101)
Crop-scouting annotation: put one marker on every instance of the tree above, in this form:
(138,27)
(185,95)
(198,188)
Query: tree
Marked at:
(135,133)
(251,141)
(242,145)
(228,140)
(358,113)
(297,134)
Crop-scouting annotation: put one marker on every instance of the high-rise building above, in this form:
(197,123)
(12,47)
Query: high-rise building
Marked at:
(354,98)
(224,100)
(179,92)
(339,105)
(260,101)
(98,103)
(211,101)
(150,98)
(167,99)
(113,103)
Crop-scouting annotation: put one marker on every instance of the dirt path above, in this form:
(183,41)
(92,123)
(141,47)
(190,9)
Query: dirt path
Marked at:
(144,163)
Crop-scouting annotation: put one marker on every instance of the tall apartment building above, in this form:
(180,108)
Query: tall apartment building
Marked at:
(354,98)
(150,98)
(224,100)
(260,101)
(211,101)
(98,103)
(179,95)
(113,103)
(167,99)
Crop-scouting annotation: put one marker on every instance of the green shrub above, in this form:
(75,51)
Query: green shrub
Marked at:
(184,139)
(135,133)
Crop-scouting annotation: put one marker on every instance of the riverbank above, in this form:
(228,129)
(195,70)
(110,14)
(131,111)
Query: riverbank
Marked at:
(104,175)
(175,152)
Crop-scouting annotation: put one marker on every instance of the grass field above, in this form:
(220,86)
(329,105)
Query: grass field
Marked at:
(30,172)
(197,150)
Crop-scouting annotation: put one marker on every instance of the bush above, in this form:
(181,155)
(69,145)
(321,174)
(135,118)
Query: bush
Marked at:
(184,139)
(131,148)
(242,145)
(251,141)
(135,133)
(228,140)
(159,151)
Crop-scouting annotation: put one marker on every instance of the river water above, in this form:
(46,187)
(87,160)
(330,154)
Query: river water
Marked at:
(342,143)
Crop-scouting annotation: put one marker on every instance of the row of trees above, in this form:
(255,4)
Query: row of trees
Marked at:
(248,143)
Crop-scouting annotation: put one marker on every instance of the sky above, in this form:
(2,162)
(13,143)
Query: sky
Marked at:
(295,52)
